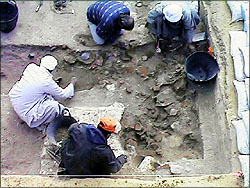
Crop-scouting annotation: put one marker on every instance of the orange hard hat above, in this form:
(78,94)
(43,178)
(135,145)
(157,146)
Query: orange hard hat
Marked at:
(108,124)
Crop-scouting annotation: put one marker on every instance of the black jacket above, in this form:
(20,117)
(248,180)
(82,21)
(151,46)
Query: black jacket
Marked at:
(86,152)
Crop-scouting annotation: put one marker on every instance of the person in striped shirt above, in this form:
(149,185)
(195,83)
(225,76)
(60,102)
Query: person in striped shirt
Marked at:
(108,20)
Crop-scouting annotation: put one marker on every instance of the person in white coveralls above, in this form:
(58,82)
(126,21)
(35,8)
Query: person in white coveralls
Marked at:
(34,97)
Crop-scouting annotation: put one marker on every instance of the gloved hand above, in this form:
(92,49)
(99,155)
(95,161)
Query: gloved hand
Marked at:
(73,80)
(122,159)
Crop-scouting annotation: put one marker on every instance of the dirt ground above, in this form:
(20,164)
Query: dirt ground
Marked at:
(163,109)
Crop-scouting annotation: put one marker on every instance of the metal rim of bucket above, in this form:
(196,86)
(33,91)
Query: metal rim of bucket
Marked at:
(10,2)
(202,53)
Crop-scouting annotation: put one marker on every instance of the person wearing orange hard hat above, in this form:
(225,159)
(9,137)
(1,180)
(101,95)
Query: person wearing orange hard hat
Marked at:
(86,151)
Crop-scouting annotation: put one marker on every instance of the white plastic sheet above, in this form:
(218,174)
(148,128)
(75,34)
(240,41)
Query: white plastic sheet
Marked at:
(235,7)
(241,136)
(245,57)
(239,67)
(245,118)
(238,39)
(244,161)
(242,97)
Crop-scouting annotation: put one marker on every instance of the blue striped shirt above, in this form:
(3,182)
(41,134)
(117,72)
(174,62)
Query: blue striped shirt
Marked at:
(104,14)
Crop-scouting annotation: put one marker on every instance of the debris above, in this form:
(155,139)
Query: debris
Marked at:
(97,63)
(144,58)
(53,48)
(31,55)
(69,59)
(176,169)
(129,89)
(125,57)
(147,164)
(64,47)
(173,112)
(138,4)
(85,56)
(165,98)
(138,127)
(110,87)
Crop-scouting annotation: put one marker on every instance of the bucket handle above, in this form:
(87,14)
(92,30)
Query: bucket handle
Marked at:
(12,2)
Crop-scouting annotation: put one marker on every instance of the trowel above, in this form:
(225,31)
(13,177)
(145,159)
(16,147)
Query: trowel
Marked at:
(199,37)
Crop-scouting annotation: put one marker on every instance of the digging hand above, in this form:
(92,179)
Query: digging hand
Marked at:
(73,80)
(158,49)
(122,159)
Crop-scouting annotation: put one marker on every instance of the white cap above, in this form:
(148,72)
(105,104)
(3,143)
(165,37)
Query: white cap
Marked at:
(173,12)
(49,62)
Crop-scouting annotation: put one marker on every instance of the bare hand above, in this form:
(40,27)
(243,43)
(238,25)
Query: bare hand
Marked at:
(73,80)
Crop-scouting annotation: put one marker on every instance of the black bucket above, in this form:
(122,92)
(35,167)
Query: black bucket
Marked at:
(200,67)
(8,16)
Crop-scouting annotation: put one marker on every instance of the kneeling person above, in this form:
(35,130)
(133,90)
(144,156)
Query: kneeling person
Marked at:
(107,19)
(86,152)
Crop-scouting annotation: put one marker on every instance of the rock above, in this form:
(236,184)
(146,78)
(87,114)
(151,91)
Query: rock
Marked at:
(110,87)
(125,57)
(165,97)
(176,169)
(64,47)
(143,71)
(156,88)
(138,127)
(158,138)
(132,142)
(129,89)
(31,55)
(144,58)
(173,112)
(106,73)
(69,59)
(147,165)
(175,125)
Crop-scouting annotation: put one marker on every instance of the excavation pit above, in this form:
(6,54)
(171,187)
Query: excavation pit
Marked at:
(163,109)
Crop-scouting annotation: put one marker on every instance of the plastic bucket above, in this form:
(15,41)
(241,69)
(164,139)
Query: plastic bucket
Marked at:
(8,16)
(200,67)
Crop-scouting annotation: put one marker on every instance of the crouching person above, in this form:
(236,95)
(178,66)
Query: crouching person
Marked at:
(34,95)
(108,20)
(86,152)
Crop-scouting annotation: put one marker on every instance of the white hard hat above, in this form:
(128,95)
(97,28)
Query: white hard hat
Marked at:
(49,62)
(173,12)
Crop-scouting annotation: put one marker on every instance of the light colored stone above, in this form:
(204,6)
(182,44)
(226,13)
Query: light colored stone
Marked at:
(147,164)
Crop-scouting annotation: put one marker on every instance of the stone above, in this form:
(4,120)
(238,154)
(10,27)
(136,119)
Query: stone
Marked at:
(144,58)
(132,142)
(85,56)
(165,97)
(125,57)
(138,127)
(110,87)
(173,112)
(175,125)
(69,59)
(147,165)
(158,138)
(90,60)
(156,88)
(129,89)
(64,47)
(176,169)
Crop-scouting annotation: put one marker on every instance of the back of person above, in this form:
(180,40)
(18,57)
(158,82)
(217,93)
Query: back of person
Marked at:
(86,152)
(29,88)
(105,11)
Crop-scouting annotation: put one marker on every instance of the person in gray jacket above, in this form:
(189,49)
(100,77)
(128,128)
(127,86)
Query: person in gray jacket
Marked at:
(168,20)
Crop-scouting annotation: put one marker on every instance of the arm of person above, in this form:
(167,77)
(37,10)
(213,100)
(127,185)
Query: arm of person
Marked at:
(113,164)
(52,88)
(190,22)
